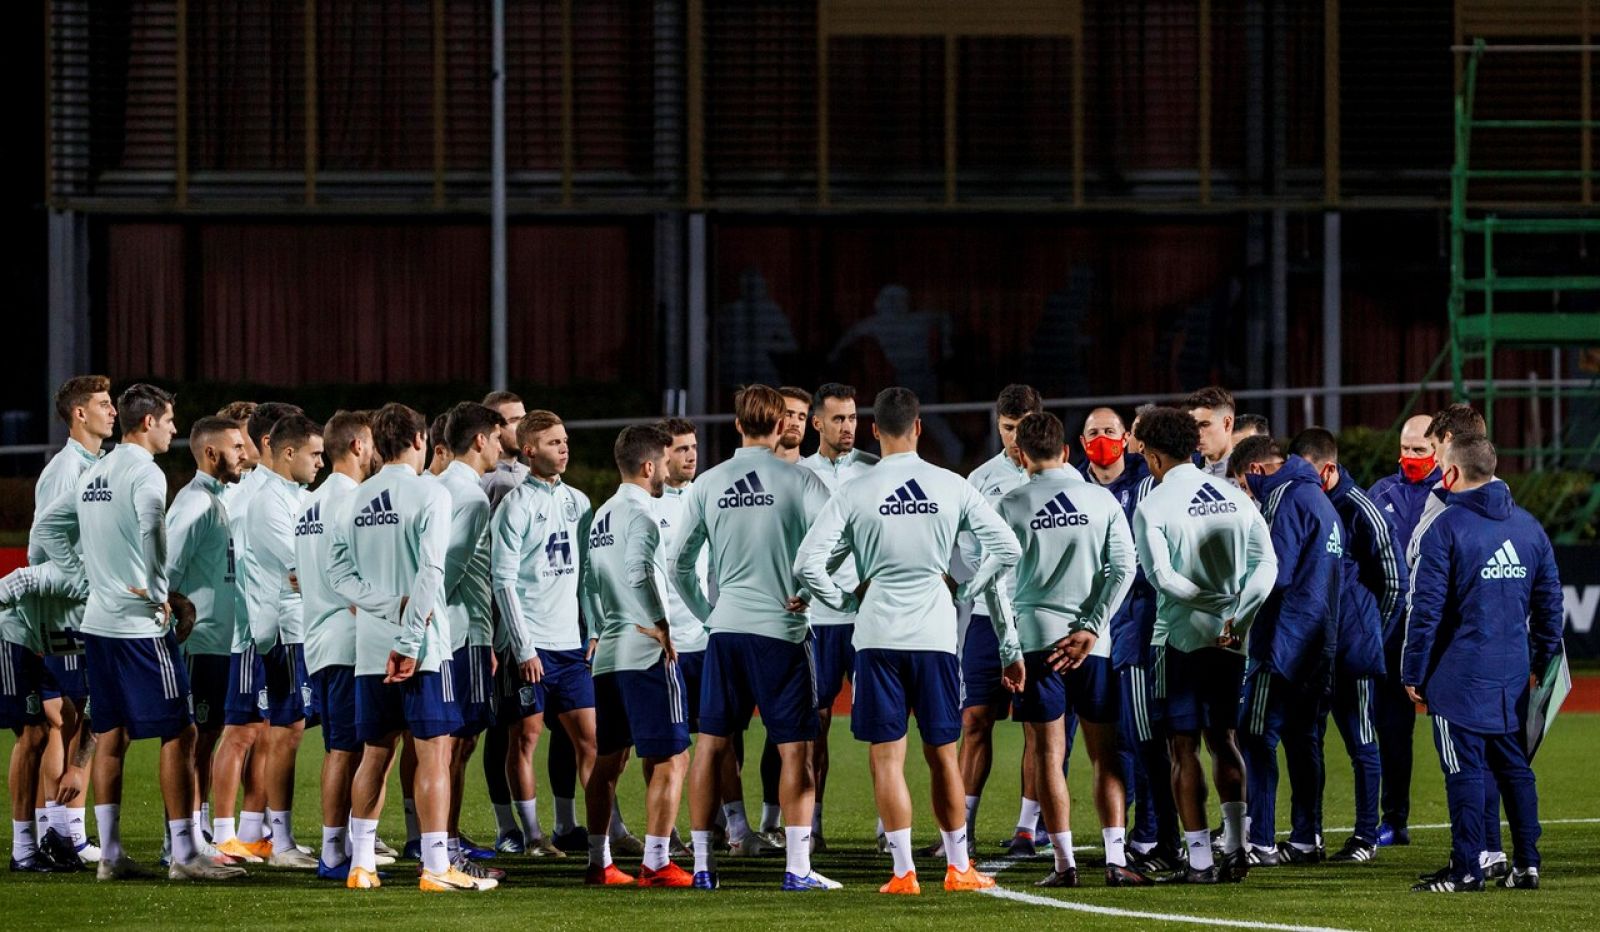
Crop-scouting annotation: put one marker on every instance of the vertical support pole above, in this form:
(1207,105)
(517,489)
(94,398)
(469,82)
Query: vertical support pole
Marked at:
(180,129)
(1279,330)
(49,104)
(439,91)
(823,199)
(1332,320)
(694,189)
(1330,101)
(567,92)
(311,103)
(699,319)
(68,329)
(1204,108)
(952,48)
(498,330)
(1586,101)
(1077,111)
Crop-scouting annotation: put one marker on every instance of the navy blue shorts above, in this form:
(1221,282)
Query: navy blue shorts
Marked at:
(567,685)
(1138,721)
(657,712)
(287,693)
(137,684)
(1090,690)
(692,665)
(246,702)
(423,705)
(334,690)
(21,673)
(836,660)
(208,682)
(473,671)
(611,734)
(746,671)
(980,668)
(891,684)
(64,676)
(1198,690)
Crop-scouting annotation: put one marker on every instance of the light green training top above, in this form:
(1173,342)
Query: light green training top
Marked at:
(620,581)
(201,564)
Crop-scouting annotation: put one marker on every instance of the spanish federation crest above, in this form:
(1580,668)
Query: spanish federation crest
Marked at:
(570,509)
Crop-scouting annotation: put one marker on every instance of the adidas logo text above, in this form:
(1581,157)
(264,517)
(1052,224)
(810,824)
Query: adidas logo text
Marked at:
(1505,564)
(377,512)
(746,493)
(909,499)
(1208,501)
(600,535)
(310,522)
(98,491)
(1058,512)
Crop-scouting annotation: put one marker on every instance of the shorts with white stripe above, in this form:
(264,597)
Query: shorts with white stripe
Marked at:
(21,702)
(421,705)
(657,713)
(137,684)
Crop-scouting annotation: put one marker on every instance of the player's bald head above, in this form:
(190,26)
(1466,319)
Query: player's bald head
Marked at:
(1415,430)
(1105,421)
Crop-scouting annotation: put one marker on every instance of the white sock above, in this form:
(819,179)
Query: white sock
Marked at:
(333,838)
(955,848)
(879,830)
(1061,846)
(181,833)
(900,850)
(452,847)
(1028,818)
(77,825)
(41,819)
(282,823)
(738,824)
(655,851)
(566,814)
(222,830)
(619,828)
(363,838)
(771,817)
(797,847)
(1143,847)
(1199,845)
(1302,846)
(57,814)
(108,818)
(413,827)
(701,842)
(599,850)
(435,852)
(972,813)
(505,819)
(197,817)
(529,810)
(205,818)
(1116,841)
(1232,827)
(24,843)
(250,825)
(816,818)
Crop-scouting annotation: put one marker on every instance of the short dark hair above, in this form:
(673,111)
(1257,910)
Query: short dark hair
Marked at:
(837,390)
(265,416)
(209,426)
(293,431)
(1473,454)
(535,422)
(677,426)
(496,399)
(394,429)
(139,401)
(759,409)
(1016,400)
(795,392)
(342,430)
(1212,396)
(895,411)
(1317,444)
(1255,423)
(1459,418)
(1041,436)
(1168,431)
(437,429)
(466,422)
(1252,450)
(238,411)
(639,444)
(77,391)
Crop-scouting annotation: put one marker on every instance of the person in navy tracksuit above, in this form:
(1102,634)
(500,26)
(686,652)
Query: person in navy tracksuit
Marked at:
(1371,600)
(1292,647)
(1400,496)
(1486,611)
(1155,834)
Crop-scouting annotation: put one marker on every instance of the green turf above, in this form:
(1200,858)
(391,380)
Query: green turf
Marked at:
(549,894)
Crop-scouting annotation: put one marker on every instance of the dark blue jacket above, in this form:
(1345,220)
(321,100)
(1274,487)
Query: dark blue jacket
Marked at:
(1402,499)
(1134,624)
(1296,633)
(1485,610)
(1374,561)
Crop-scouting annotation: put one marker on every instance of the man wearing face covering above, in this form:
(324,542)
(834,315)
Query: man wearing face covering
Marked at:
(1291,647)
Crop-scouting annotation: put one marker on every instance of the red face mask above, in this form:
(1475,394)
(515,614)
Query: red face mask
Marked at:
(1451,479)
(1103,451)
(1416,468)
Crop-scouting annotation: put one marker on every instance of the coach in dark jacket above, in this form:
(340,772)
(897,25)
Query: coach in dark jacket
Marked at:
(1485,612)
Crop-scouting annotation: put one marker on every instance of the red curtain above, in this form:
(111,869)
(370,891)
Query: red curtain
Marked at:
(145,331)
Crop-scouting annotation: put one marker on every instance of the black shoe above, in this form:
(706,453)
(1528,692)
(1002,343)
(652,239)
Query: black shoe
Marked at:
(1263,857)
(1155,862)
(1066,878)
(1494,870)
(573,841)
(60,853)
(1449,885)
(1442,873)
(1128,877)
(1289,854)
(1389,834)
(33,865)
(1355,851)
(1522,880)
(1189,875)
(1235,867)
